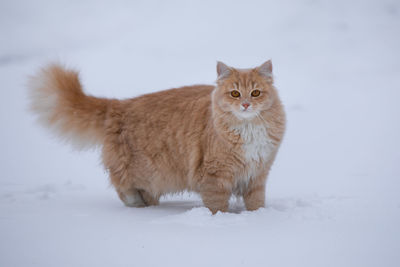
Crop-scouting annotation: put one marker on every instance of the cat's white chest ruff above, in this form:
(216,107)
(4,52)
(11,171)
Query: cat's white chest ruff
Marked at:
(257,144)
(257,147)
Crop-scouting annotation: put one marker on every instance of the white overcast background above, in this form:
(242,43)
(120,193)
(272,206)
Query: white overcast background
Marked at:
(333,193)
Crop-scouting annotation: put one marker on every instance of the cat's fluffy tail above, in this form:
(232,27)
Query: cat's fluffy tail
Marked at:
(58,100)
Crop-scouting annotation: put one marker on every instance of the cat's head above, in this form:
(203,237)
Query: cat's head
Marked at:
(244,92)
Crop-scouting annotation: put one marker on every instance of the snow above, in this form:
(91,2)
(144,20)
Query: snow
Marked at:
(333,194)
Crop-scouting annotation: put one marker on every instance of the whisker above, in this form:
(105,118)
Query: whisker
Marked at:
(260,117)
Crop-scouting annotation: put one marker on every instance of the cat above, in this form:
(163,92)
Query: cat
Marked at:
(215,140)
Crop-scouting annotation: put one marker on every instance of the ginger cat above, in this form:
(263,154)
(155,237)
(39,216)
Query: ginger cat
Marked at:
(215,140)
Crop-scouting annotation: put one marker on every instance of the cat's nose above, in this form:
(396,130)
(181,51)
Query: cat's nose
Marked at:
(245,105)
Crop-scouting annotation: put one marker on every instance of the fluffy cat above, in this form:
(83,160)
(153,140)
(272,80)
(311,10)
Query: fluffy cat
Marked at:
(215,140)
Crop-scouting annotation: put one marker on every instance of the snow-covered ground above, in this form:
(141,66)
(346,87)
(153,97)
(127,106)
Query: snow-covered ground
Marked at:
(333,194)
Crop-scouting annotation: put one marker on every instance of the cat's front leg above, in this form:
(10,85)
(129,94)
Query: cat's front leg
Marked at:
(254,196)
(216,200)
(215,194)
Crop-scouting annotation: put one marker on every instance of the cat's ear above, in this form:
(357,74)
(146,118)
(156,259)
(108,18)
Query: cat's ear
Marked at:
(223,70)
(266,69)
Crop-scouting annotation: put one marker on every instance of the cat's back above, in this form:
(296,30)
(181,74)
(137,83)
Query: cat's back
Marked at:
(176,96)
(172,100)
(174,108)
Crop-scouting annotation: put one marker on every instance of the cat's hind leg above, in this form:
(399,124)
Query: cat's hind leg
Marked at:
(149,199)
(129,184)
(131,198)
(137,198)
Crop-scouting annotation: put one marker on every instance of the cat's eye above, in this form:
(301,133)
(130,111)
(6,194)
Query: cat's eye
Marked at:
(235,93)
(255,93)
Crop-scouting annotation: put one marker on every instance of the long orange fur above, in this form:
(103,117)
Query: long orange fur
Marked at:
(197,138)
